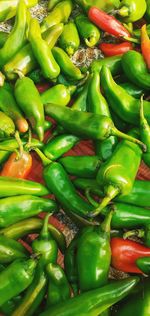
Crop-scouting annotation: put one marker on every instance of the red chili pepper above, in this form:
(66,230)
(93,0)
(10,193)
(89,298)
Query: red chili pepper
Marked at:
(107,23)
(125,253)
(145,45)
(17,167)
(115,49)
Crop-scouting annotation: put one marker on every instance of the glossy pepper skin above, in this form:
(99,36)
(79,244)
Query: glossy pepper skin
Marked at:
(116,176)
(145,45)
(58,285)
(52,4)
(127,108)
(89,33)
(59,14)
(7,127)
(9,106)
(16,278)
(145,134)
(132,89)
(17,167)
(20,187)
(31,225)
(106,6)
(143,264)
(97,104)
(125,253)
(15,209)
(42,53)
(66,65)
(32,107)
(69,40)
(113,63)
(11,250)
(94,256)
(24,60)
(45,246)
(80,102)
(138,196)
(109,49)
(12,144)
(94,301)
(16,38)
(84,166)
(8,307)
(131,10)
(3,38)
(8,8)
(86,125)
(58,94)
(137,71)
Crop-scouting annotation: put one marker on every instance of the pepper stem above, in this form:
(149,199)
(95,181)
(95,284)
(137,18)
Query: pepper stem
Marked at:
(106,225)
(131,39)
(124,11)
(89,198)
(111,192)
(44,234)
(70,50)
(116,132)
(19,73)
(44,159)
(135,232)
(90,42)
(17,137)
(143,121)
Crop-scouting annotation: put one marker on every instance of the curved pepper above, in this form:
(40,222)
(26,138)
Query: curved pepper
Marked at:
(58,94)
(42,53)
(106,6)
(135,69)
(32,107)
(125,253)
(58,286)
(145,45)
(123,104)
(132,89)
(7,127)
(87,30)
(109,49)
(8,8)
(131,10)
(15,209)
(113,63)
(94,301)
(16,278)
(69,40)
(11,250)
(145,135)
(18,167)
(16,38)
(80,102)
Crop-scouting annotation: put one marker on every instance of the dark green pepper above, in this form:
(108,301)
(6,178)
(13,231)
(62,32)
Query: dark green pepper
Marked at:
(8,307)
(80,102)
(16,208)
(132,89)
(144,264)
(32,107)
(11,250)
(87,30)
(7,127)
(8,8)
(94,302)
(132,10)
(58,94)
(58,286)
(113,63)
(145,134)
(147,13)
(16,278)
(123,104)
(69,40)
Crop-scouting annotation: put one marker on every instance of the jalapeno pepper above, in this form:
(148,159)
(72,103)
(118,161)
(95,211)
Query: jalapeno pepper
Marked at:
(113,63)
(69,40)
(132,10)
(87,30)
(11,250)
(58,94)
(145,134)
(123,104)
(58,286)
(42,53)
(16,278)
(7,127)
(16,38)
(109,49)
(95,301)
(15,209)
(8,9)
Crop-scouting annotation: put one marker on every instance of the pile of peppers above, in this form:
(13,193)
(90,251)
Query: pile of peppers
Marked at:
(50,109)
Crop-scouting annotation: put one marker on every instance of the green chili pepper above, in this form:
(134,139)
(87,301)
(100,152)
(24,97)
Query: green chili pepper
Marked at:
(147,13)
(32,107)
(45,245)
(103,5)
(93,255)
(87,30)
(16,38)
(34,294)
(59,14)
(119,123)
(144,264)
(138,196)
(3,38)
(135,69)
(58,287)
(8,307)
(33,225)
(4,156)
(8,8)
(24,60)
(80,102)
(113,63)
(81,166)
(116,176)
(42,53)
(86,125)
(9,107)
(94,302)
(132,89)
(132,10)
(12,144)
(66,65)
(17,208)
(98,105)
(69,40)
(7,127)
(10,186)
(145,134)
(58,94)
(16,278)
(123,104)
(10,250)
(59,145)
